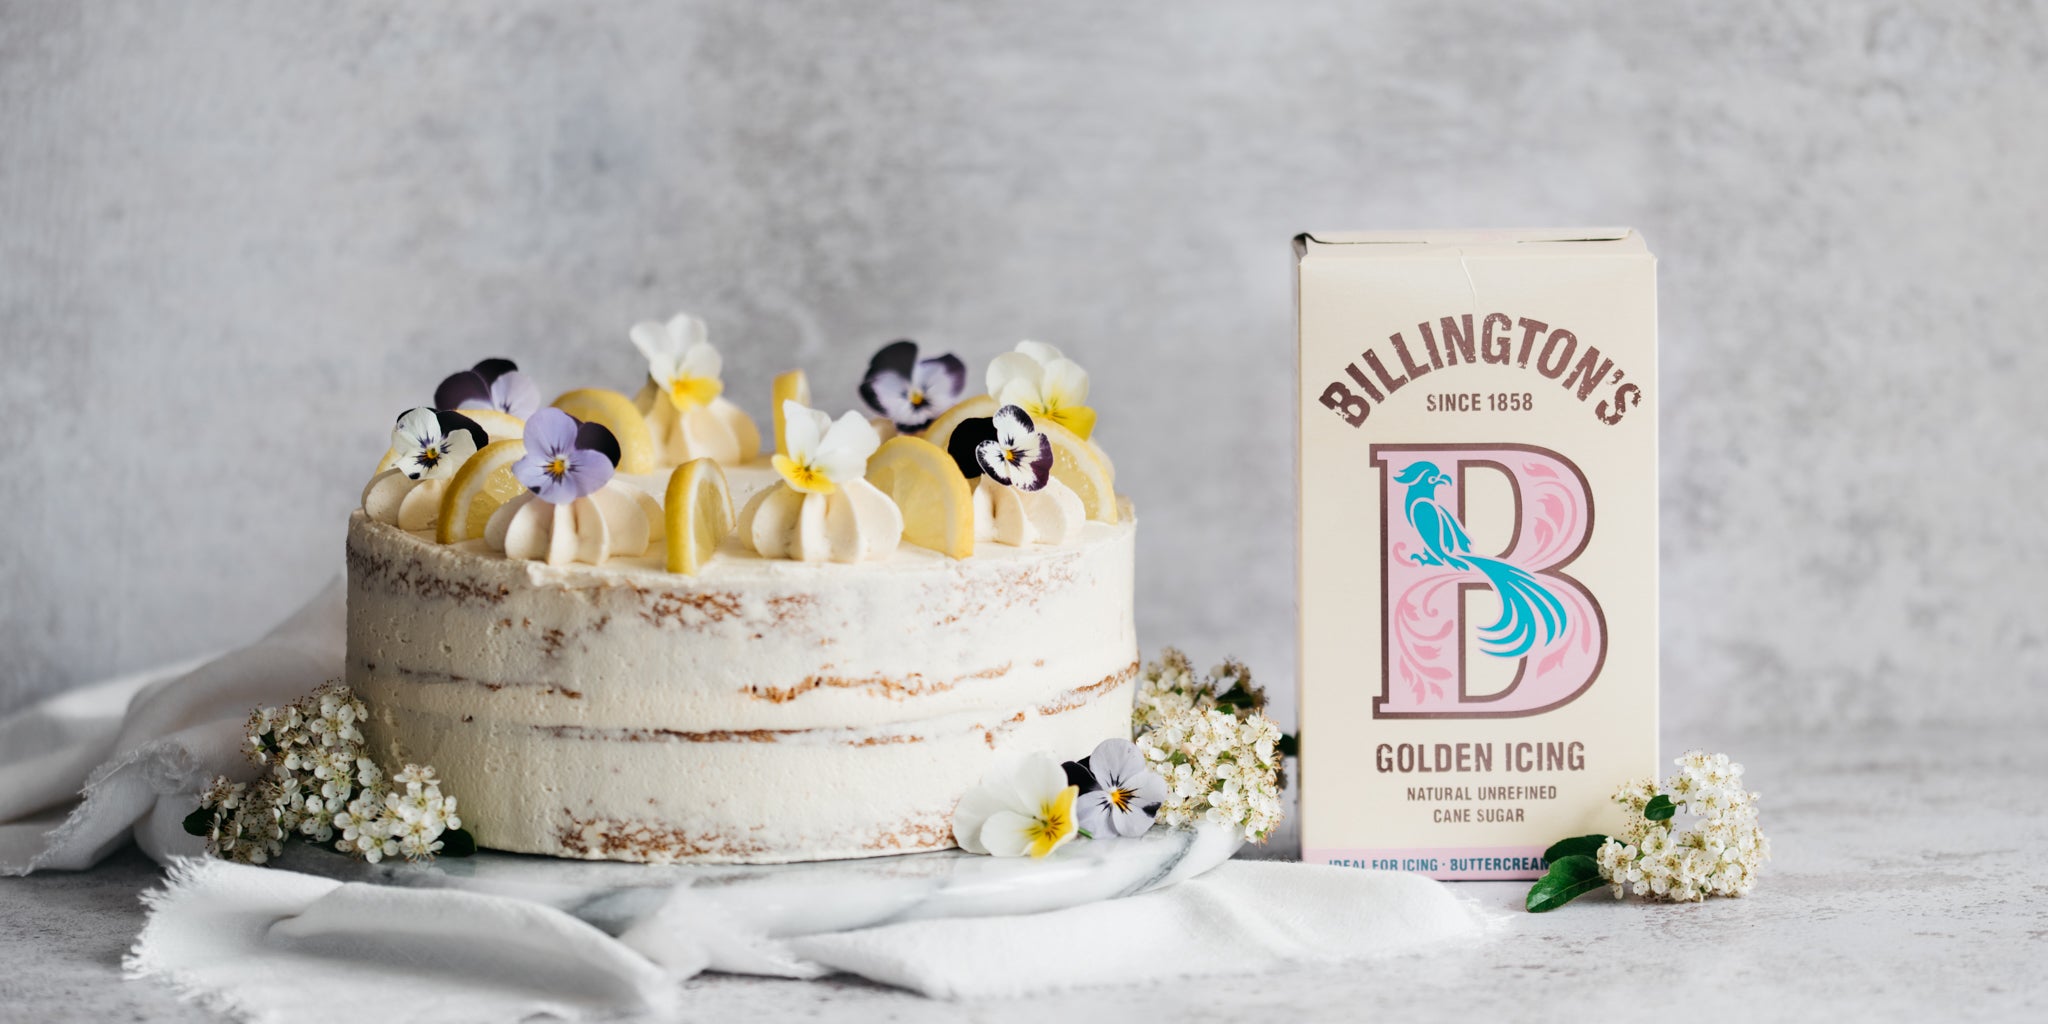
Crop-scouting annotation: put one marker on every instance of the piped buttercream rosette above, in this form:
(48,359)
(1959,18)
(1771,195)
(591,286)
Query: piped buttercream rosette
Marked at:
(824,508)
(574,510)
(1016,499)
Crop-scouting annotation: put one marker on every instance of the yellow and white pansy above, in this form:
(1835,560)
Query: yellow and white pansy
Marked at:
(824,508)
(688,417)
(1022,807)
(823,454)
(680,360)
(1045,384)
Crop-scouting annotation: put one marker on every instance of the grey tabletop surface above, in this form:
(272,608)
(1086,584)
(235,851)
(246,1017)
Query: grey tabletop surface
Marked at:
(1907,883)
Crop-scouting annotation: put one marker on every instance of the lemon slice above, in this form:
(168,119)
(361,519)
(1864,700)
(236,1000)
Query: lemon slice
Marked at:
(698,514)
(789,387)
(501,426)
(941,430)
(478,487)
(937,504)
(618,413)
(1076,464)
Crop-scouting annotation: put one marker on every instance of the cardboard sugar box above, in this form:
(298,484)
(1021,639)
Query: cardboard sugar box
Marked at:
(1477,543)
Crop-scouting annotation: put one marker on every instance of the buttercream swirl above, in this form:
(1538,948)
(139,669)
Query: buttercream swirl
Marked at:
(394,499)
(617,519)
(1053,514)
(854,522)
(718,430)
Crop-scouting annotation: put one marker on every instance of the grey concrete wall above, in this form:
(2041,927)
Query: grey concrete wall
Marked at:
(236,237)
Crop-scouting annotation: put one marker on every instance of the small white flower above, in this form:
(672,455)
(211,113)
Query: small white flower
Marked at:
(680,359)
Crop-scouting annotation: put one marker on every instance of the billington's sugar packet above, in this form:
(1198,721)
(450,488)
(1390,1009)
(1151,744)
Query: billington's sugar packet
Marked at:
(1478,544)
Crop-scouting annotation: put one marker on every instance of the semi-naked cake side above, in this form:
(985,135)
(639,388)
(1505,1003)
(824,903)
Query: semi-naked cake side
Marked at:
(777,711)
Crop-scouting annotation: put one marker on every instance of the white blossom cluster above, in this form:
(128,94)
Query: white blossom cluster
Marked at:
(1716,855)
(322,785)
(1221,763)
(1168,688)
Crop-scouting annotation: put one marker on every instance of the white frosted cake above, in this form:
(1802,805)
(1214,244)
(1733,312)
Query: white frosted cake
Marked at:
(701,650)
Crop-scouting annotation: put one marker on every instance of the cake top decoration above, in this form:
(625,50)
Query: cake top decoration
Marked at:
(1045,383)
(912,392)
(565,458)
(494,383)
(1017,456)
(823,453)
(681,360)
(431,443)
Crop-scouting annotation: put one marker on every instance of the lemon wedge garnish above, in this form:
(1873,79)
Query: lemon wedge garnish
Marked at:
(789,387)
(1076,464)
(937,504)
(621,417)
(698,514)
(478,487)
(941,430)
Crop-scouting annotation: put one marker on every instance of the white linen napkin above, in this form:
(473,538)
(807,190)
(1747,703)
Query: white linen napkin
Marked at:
(268,945)
(265,944)
(140,772)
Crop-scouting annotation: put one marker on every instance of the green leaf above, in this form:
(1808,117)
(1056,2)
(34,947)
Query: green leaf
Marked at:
(1575,846)
(1289,745)
(1569,878)
(199,822)
(1659,808)
(457,842)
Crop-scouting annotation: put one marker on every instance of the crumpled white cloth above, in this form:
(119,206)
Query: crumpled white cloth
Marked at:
(266,944)
(140,748)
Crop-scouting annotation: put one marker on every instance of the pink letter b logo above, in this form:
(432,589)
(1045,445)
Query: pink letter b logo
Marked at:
(1548,626)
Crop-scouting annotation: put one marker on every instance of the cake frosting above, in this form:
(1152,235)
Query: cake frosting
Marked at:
(824,686)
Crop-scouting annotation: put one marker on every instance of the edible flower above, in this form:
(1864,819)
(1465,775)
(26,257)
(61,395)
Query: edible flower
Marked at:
(431,443)
(565,458)
(912,392)
(1120,793)
(681,360)
(1017,456)
(824,454)
(492,384)
(1047,384)
(1022,806)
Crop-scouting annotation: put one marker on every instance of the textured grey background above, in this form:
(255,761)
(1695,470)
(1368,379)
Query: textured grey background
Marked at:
(237,237)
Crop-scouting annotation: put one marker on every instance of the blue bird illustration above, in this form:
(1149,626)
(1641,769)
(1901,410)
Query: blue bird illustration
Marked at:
(1525,605)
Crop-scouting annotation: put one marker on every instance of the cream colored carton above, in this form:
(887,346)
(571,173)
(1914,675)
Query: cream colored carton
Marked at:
(1477,543)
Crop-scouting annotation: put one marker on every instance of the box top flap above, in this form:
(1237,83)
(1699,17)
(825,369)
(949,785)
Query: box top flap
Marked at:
(1392,242)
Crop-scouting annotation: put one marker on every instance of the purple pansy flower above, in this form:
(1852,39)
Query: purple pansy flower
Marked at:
(431,443)
(1016,455)
(912,392)
(1120,793)
(492,384)
(565,458)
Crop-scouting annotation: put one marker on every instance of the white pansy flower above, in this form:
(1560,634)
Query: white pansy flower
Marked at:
(823,453)
(680,359)
(1023,806)
(432,443)
(1045,383)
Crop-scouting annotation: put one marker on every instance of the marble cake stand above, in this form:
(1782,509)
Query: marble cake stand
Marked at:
(780,900)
